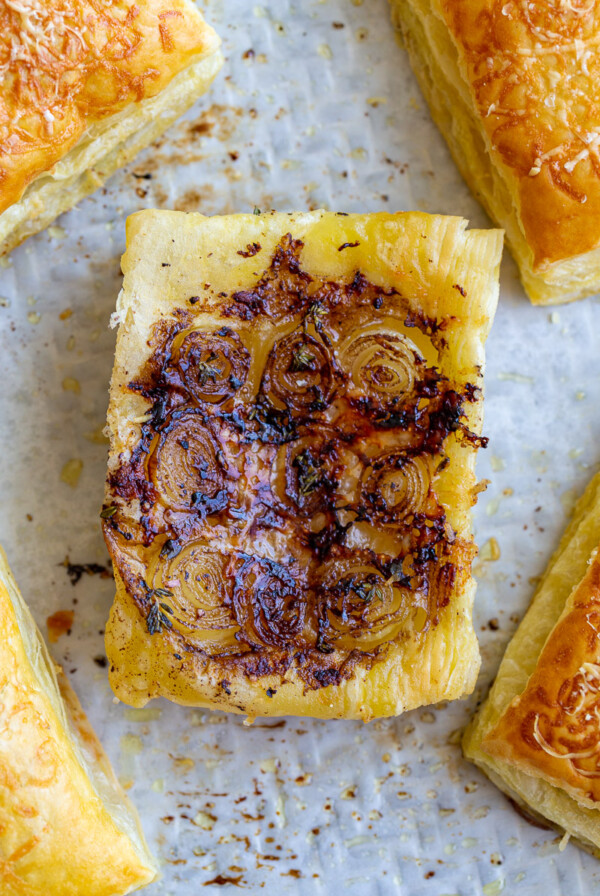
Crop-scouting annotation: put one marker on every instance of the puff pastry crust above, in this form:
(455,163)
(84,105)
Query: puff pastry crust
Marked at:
(66,827)
(537,736)
(85,85)
(513,87)
(294,415)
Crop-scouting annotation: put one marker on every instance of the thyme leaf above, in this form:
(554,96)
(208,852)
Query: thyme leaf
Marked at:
(309,477)
(207,370)
(369,591)
(302,359)
(157,617)
(108,512)
(316,312)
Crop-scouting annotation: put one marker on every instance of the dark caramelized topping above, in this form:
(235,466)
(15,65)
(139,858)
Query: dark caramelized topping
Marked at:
(210,366)
(281,496)
(298,374)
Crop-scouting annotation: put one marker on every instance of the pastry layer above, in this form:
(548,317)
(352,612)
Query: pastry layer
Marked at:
(121,81)
(295,409)
(542,704)
(500,79)
(66,825)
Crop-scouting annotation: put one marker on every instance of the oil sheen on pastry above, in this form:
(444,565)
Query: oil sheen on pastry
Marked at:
(295,412)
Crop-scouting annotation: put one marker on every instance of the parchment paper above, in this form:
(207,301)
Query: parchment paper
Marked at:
(316,107)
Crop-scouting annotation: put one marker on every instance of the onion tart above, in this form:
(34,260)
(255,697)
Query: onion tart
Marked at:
(295,409)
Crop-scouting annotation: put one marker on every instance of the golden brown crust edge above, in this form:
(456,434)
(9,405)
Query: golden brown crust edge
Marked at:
(51,809)
(552,729)
(136,50)
(534,174)
(568,565)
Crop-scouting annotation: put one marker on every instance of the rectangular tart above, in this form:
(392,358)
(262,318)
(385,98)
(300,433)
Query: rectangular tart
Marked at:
(513,87)
(85,86)
(537,735)
(66,825)
(295,409)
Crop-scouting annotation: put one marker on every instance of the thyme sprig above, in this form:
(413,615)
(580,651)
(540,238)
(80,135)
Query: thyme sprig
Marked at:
(157,617)
(207,370)
(369,591)
(309,475)
(316,313)
(302,359)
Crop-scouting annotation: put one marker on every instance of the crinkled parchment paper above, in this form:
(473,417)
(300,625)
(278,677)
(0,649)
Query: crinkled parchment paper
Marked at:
(316,107)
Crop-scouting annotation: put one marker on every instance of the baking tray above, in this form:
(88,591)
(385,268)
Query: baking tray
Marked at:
(315,107)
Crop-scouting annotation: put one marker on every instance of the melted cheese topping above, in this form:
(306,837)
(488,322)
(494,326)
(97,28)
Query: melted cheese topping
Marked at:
(68,64)
(534,70)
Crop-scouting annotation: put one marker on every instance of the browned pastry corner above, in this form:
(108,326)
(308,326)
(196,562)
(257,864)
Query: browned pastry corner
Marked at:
(67,827)
(537,735)
(295,411)
(513,85)
(85,84)
(552,729)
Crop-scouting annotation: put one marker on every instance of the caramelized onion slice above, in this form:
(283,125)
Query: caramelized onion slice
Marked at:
(383,366)
(194,591)
(185,468)
(394,486)
(298,374)
(360,609)
(269,604)
(213,365)
(315,473)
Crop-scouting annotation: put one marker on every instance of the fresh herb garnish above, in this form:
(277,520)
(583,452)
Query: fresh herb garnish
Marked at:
(156,620)
(207,370)
(369,591)
(309,477)
(316,313)
(302,359)
(157,617)
(108,512)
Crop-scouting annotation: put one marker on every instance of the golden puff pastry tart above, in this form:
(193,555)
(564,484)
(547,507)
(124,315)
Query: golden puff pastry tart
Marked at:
(295,409)
(85,86)
(66,827)
(538,734)
(513,86)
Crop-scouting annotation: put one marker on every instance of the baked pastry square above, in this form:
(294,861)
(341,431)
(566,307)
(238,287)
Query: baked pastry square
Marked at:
(538,734)
(66,827)
(294,414)
(514,88)
(85,86)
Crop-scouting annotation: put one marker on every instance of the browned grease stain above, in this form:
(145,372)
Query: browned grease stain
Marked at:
(280,724)
(184,143)
(222,881)
(60,623)
(195,200)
